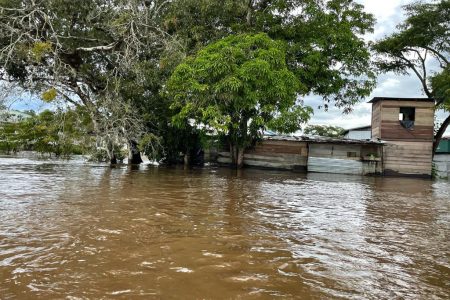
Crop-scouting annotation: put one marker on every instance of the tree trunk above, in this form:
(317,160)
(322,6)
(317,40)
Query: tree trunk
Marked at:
(187,159)
(110,152)
(113,159)
(134,155)
(233,154)
(237,156)
(440,133)
(240,158)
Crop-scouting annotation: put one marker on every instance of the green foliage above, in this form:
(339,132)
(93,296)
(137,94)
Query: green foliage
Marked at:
(238,86)
(440,84)
(324,130)
(324,43)
(9,141)
(150,145)
(59,133)
(40,49)
(125,51)
(49,95)
(101,154)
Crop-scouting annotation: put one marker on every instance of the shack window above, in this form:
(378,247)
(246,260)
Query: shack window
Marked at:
(407,116)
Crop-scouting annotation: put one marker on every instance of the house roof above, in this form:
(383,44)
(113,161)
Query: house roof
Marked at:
(376,99)
(321,139)
(360,128)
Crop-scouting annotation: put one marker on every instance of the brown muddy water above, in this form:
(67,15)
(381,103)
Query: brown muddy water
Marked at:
(70,230)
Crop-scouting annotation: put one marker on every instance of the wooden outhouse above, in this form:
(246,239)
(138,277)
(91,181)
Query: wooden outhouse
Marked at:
(406,125)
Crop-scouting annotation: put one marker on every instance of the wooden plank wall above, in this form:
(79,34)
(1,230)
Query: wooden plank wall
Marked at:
(291,155)
(376,120)
(275,154)
(408,158)
(391,129)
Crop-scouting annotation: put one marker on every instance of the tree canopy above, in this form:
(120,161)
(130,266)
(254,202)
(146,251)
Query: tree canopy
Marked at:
(324,39)
(95,54)
(238,86)
(114,57)
(61,133)
(324,130)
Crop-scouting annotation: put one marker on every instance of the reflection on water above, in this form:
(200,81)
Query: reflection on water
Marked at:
(78,231)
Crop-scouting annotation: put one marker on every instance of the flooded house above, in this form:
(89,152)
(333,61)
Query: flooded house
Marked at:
(399,142)
(314,154)
(406,126)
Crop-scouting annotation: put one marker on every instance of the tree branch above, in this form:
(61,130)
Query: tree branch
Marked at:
(420,76)
(96,48)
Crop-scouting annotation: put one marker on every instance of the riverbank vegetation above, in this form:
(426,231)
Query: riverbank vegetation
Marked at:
(59,133)
(161,76)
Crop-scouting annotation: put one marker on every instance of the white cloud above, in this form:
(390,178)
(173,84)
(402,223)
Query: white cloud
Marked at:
(387,14)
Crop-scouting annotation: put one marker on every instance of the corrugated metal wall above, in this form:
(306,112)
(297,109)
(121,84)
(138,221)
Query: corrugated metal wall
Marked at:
(333,165)
(442,165)
(326,158)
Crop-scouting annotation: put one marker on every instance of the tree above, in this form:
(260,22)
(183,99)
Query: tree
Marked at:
(237,87)
(324,130)
(424,35)
(85,53)
(324,39)
(62,133)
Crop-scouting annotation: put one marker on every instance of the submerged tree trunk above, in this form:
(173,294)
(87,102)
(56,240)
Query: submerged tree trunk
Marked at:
(110,152)
(240,158)
(237,156)
(113,159)
(134,155)
(440,133)
(187,159)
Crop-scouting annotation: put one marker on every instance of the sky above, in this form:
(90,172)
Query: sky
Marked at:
(388,13)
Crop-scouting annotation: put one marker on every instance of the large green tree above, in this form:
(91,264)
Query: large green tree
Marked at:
(325,45)
(95,54)
(421,45)
(238,86)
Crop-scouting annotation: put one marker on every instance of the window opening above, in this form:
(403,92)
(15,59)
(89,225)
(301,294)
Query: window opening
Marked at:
(407,117)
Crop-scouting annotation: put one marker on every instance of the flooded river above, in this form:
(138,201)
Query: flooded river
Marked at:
(71,230)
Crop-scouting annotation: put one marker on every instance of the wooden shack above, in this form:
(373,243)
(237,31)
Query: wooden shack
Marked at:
(406,125)
(313,154)
(287,153)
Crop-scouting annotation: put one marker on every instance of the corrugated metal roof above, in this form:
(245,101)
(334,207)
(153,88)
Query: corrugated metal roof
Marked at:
(367,127)
(322,139)
(376,99)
